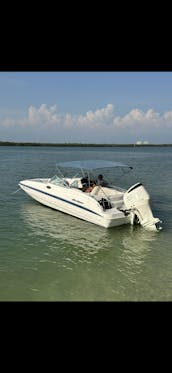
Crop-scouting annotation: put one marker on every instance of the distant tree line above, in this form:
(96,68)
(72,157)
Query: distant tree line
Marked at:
(12,143)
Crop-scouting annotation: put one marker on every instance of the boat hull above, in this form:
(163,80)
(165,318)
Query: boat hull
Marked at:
(73,202)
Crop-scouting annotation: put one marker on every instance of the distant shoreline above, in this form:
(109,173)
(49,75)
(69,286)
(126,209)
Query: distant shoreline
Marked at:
(12,143)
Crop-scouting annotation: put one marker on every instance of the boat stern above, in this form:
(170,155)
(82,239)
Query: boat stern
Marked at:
(136,200)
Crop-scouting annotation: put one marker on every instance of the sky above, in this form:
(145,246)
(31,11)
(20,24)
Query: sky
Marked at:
(86,107)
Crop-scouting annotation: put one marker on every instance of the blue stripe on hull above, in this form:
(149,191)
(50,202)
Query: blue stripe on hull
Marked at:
(59,198)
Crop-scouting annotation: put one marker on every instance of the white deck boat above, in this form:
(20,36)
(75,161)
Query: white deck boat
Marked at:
(83,197)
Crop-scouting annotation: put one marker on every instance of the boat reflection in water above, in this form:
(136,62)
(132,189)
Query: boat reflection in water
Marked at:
(63,231)
(72,255)
(59,231)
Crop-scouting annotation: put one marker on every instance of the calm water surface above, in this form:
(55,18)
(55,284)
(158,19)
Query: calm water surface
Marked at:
(46,255)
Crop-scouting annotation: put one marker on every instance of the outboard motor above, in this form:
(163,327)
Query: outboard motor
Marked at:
(136,200)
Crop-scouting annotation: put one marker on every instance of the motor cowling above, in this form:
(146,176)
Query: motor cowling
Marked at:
(136,200)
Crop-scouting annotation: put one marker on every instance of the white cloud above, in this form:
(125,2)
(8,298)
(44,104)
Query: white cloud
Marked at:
(104,119)
(49,116)
(97,118)
(168,118)
(137,117)
(43,115)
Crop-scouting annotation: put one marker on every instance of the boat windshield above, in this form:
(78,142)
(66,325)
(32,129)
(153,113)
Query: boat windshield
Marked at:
(58,181)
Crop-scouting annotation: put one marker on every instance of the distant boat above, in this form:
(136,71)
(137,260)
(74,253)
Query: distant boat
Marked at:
(87,197)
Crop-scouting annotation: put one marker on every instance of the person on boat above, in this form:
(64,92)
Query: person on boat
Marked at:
(101,181)
(90,188)
(85,183)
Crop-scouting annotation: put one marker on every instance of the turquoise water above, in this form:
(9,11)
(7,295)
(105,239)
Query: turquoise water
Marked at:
(46,255)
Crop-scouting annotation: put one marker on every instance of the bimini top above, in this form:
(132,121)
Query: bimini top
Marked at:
(92,164)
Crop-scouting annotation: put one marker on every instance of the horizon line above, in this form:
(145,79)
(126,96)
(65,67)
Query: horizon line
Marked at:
(33,143)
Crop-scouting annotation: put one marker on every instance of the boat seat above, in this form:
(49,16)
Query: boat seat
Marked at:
(95,190)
